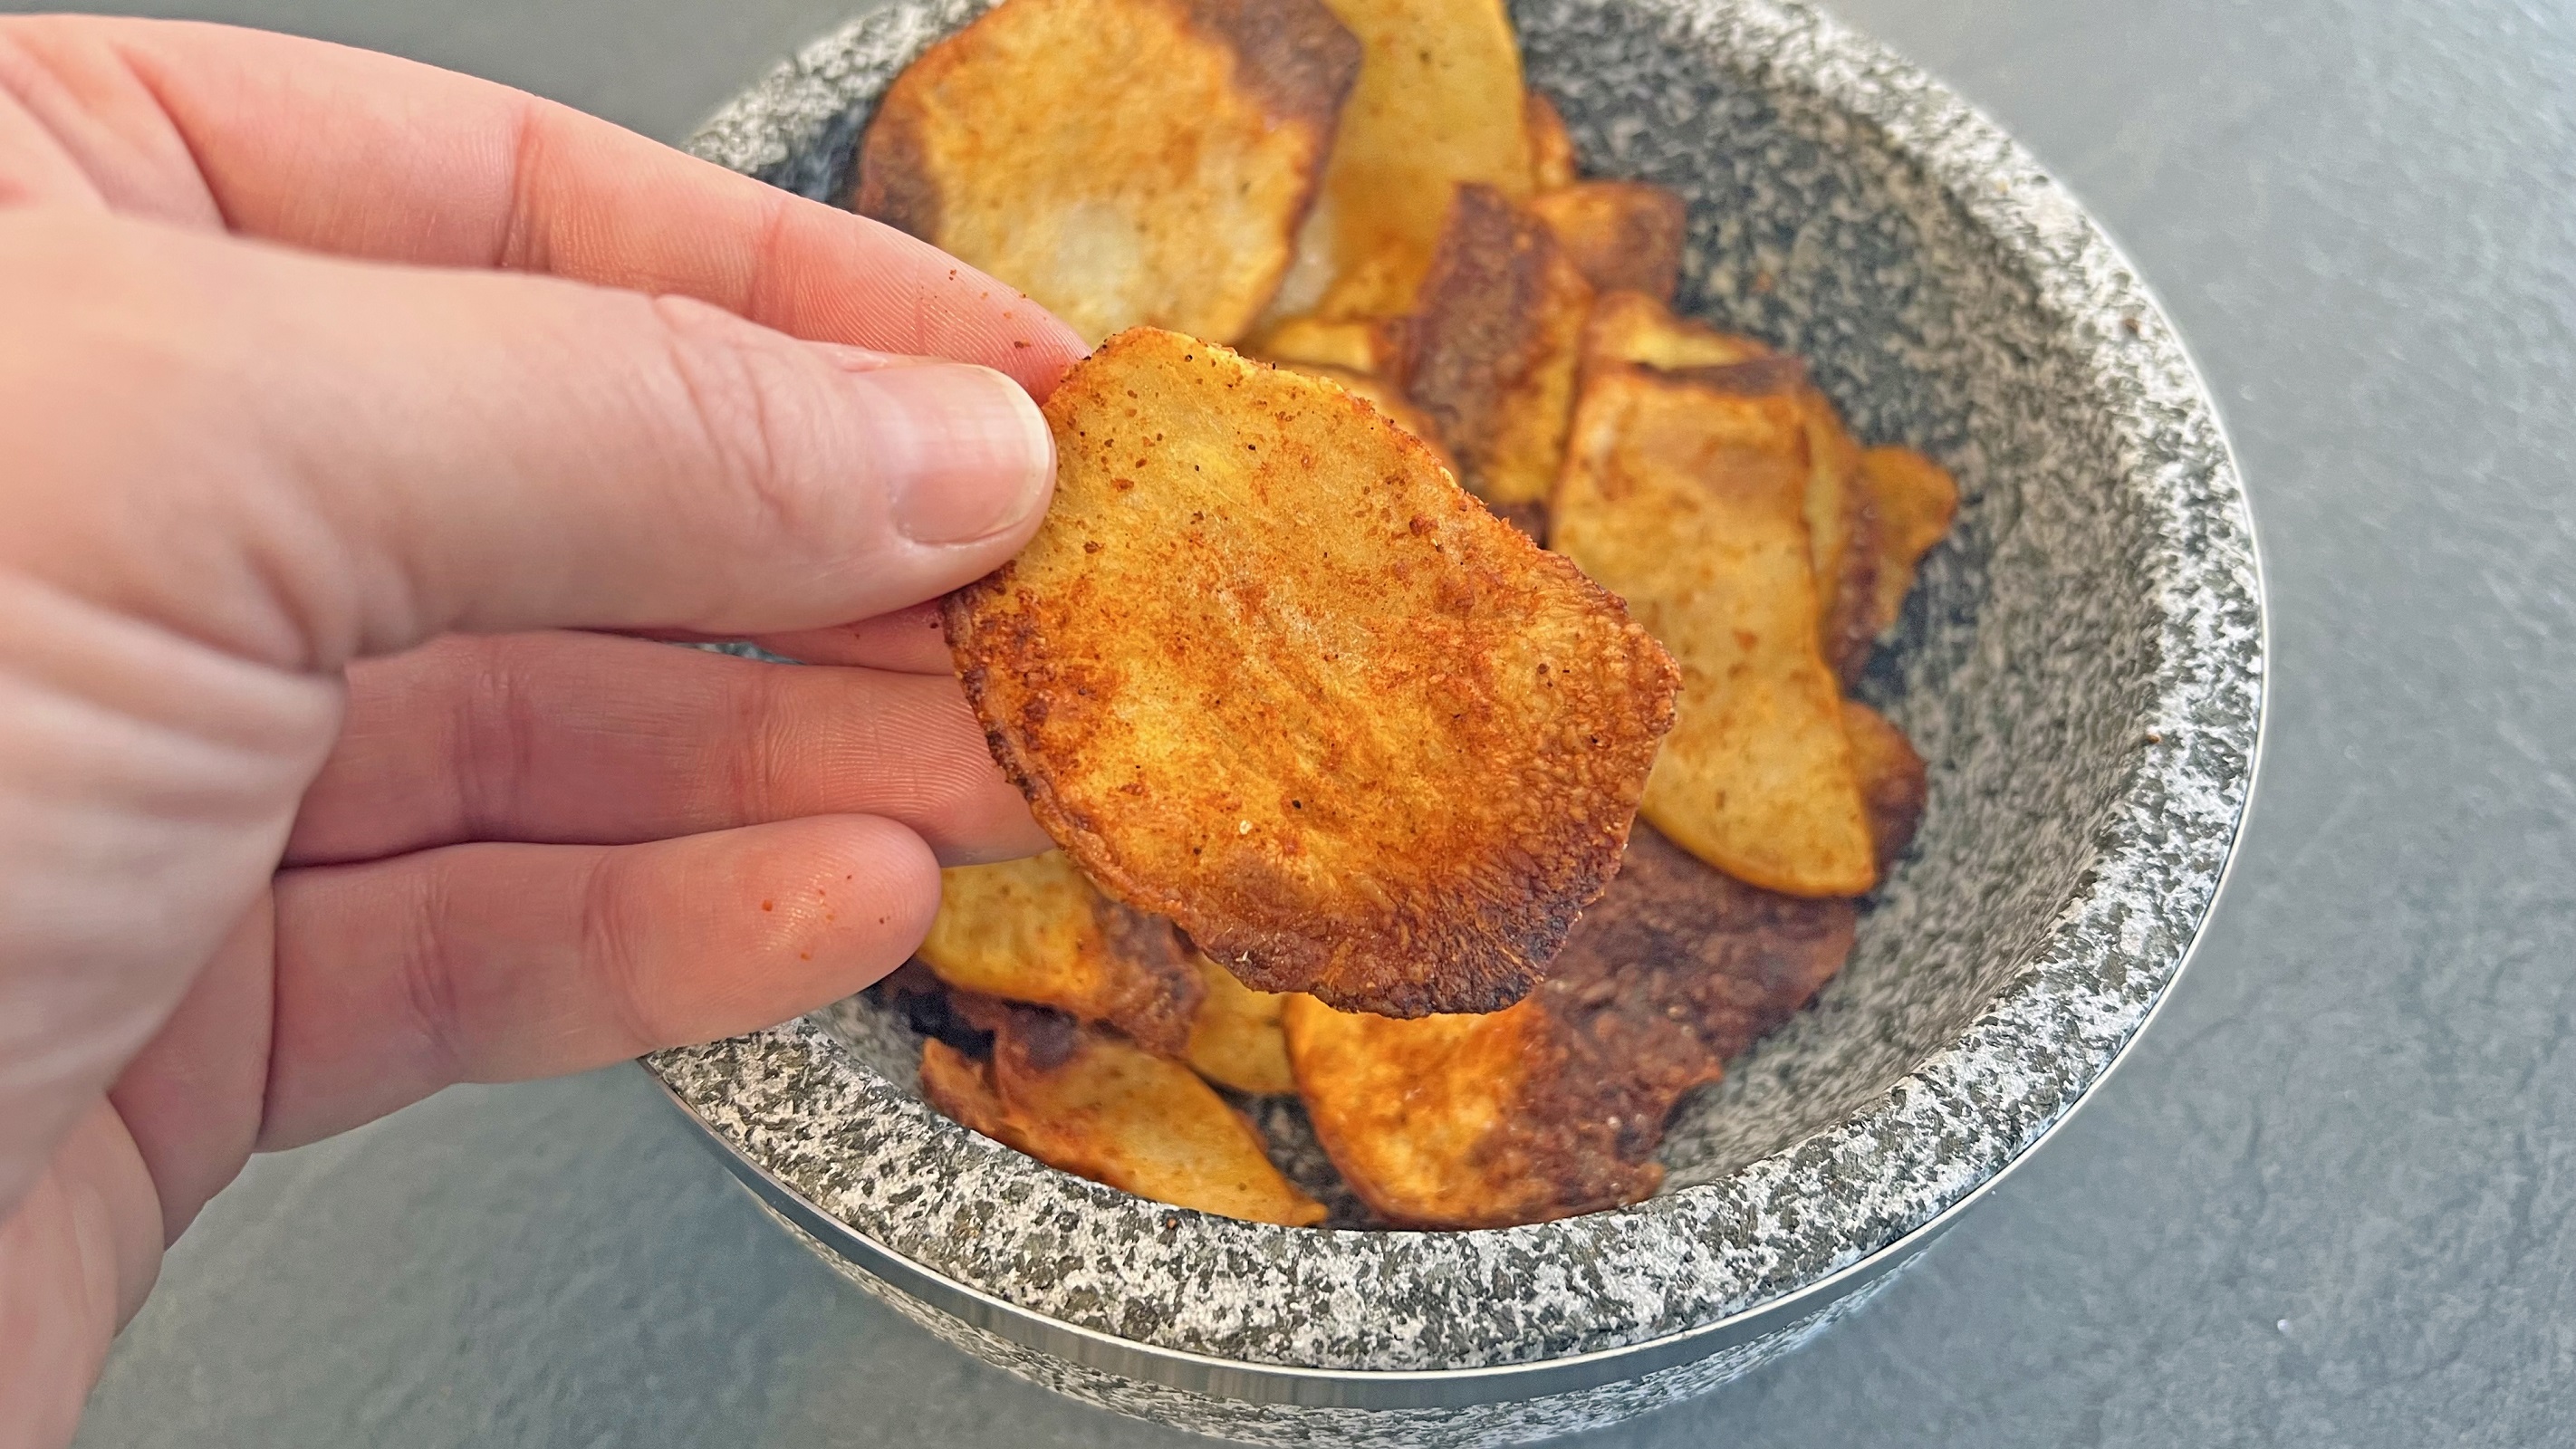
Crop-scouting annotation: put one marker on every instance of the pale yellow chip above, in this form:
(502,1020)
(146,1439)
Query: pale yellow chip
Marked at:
(1438,104)
(1685,493)
(1121,161)
(1038,931)
(1096,1106)
(1267,671)
(1236,1041)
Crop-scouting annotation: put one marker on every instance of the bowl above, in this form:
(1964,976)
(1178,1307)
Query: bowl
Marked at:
(2081,665)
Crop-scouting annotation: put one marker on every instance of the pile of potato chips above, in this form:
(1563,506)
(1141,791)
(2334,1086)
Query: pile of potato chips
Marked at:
(1362,192)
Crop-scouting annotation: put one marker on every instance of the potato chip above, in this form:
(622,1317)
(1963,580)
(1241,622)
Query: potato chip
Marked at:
(1236,1041)
(1551,149)
(1438,104)
(1386,399)
(1893,783)
(1370,345)
(1907,504)
(1685,493)
(1121,161)
(1036,931)
(1494,345)
(1087,1102)
(1621,235)
(1635,328)
(1267,671)
(1556,1106)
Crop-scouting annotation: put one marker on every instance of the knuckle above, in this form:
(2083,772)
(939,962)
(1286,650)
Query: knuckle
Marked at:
(755,404)
(615,948)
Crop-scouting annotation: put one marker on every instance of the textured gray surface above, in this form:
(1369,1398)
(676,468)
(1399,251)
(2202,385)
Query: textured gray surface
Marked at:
(2330,1201)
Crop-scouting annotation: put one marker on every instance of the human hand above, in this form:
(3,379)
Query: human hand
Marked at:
(325,380)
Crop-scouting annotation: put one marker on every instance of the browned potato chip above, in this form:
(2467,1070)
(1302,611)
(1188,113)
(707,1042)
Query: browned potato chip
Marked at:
(1685,493)
(1551,149)
(1091,1104)
(1370,345)
(1494,346)
(1236,1041)
(1267,671)
(1555,1106)
(1893,785)
(1035,930)
(1121,161)
(1635,328)
(1907,504)
(1438,105)
(1621,235)
(1385,399)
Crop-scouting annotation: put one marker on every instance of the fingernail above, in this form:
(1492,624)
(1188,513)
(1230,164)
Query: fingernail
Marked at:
(967,454)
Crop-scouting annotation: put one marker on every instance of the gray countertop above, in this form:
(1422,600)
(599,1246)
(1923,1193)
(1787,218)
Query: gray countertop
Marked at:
(2330,1200)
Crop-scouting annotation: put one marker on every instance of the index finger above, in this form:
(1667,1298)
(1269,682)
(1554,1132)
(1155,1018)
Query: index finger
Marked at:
(364,155)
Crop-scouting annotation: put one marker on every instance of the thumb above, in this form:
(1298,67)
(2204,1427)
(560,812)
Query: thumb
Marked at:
(301,460)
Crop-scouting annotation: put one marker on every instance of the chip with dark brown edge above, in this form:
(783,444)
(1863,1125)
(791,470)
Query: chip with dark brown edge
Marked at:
(1437,105)
(1907,502)
(1267,671)
(1556,1106)
(1493,346)
(1121,161)
(1621,235)
(1092,1104)
(1036,931)
(1894,786)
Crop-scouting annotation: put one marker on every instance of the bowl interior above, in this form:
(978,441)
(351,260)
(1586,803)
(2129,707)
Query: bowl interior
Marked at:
(2079,665)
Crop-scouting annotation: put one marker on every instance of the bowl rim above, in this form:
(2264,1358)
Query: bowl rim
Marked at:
(2006,194)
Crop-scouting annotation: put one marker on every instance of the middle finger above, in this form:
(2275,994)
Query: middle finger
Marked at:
(564,738)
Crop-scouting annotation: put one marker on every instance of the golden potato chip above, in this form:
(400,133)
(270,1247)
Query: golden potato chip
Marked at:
(1494,344)
(1551,149)
(1685,493)
(1385,399)
(1438,104)
(1267,671)
(1236,1041)
(1556,1105)
(1035,930)
(1632,327)
(1621,235)
(1121,161)
(1370,345)
(1893,784)
(1091,1104)
(1907,502)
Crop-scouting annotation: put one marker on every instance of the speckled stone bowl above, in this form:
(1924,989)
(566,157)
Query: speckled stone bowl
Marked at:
(2082,666)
